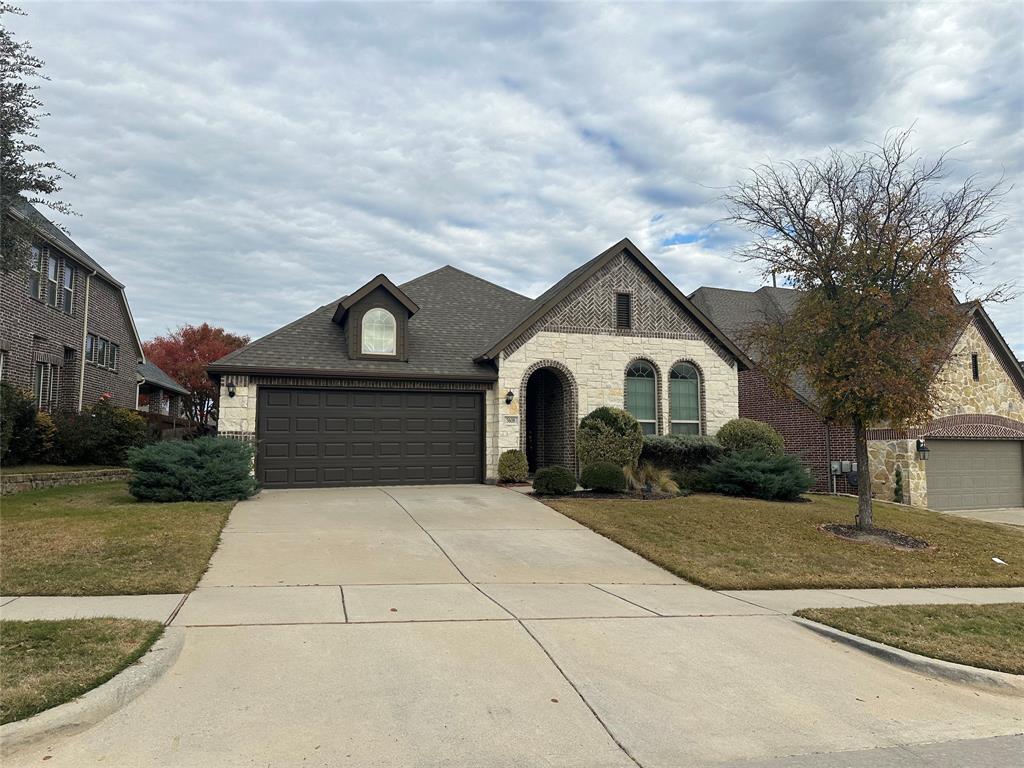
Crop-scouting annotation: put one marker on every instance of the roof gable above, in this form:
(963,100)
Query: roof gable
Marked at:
(380,281)
(623,265)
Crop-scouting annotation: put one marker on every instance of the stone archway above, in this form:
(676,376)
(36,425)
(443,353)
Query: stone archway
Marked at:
(549,421)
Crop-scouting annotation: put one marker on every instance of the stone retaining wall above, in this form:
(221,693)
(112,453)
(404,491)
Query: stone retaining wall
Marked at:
(14,482)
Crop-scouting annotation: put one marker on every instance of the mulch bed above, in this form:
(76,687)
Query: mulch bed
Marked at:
(878,536)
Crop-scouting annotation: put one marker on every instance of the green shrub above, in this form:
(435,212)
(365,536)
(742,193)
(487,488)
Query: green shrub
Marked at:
(554,481)
(897,487)
(512,466)
(603,477)
(100,434)
(677,452)
(749,435)
(206,469)
(609,434)
(692,479)
(19,441)
(759,475)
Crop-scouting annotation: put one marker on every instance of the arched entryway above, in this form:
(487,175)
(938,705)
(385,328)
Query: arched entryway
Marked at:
(549,426)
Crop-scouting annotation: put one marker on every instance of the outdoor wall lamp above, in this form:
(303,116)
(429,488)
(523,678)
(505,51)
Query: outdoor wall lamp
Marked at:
(508,397)
(231,389)
(922,449)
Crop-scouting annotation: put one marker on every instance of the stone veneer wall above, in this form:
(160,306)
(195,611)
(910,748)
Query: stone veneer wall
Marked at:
(16,482)
(597,363)
(883,457)
(236,415)
(994,393)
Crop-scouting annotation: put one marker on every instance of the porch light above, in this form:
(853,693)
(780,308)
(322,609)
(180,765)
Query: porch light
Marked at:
(922,449)
(231,389)
(508,397)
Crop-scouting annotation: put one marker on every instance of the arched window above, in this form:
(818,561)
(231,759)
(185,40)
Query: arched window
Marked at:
(684,395)
(642,395)
(379,332)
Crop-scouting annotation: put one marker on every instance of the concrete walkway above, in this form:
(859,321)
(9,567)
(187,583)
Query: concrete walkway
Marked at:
(1008,516)
(473,626)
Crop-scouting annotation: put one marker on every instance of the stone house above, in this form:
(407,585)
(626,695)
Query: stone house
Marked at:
(428,382)
(974,441)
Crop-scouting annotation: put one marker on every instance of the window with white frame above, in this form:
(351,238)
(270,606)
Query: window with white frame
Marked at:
(3,363)
(52,284)
(684,399)
(91,343)
(642,395)
(46,386)
(379,332)
(68,298)
(35,272)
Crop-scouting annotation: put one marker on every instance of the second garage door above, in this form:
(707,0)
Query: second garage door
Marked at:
(975,474)
(322,437)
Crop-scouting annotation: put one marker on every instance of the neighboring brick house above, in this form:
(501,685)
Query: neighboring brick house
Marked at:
(66,331)
(428,382)
(975,440)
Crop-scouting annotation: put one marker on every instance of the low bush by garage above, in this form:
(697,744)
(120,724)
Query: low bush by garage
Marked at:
(512,466)
(206,469)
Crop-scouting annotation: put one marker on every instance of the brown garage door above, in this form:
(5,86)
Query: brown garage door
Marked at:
(323,437)
(975,474)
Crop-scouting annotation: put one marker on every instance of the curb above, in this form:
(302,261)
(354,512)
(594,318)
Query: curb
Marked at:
(92,706)
(998,682)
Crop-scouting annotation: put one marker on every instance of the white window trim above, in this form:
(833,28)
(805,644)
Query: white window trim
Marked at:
(394,333)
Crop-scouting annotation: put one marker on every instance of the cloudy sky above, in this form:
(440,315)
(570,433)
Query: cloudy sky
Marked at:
(243,163)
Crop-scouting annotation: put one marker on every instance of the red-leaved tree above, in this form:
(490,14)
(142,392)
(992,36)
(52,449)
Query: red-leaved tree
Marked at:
(184,354)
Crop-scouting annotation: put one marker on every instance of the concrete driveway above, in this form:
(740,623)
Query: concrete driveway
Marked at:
(1007,515)
(472,626)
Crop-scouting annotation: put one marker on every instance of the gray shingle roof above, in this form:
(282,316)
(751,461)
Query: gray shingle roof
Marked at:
(151,374)
(51,232)
(459,314)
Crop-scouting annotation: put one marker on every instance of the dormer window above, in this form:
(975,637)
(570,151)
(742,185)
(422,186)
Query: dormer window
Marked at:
(379,333)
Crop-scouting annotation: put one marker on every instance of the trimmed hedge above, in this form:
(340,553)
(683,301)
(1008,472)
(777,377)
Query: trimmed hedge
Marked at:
(512,466)
(750,435)
(609,434)
(554,481)
(100,434)
(759,475)
(678,452)
(603,477)
(206,469)
(20,439)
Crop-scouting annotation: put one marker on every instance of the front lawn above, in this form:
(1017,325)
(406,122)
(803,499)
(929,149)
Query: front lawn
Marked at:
(98,540)
(730,543)
(989,636)
(45,663)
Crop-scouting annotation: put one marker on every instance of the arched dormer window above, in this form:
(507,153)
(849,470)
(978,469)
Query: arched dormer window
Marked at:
(642,395)
(684,397)
(379,332)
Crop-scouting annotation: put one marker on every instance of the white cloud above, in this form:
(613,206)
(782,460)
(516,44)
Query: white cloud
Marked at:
(242,164)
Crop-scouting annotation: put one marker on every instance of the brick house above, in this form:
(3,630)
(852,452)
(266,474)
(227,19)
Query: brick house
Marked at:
(975,440)
(66,331)
(428,382)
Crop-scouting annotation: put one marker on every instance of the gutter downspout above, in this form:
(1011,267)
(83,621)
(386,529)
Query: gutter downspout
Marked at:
(85,333)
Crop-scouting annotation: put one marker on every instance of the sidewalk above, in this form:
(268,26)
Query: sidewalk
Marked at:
(787,601)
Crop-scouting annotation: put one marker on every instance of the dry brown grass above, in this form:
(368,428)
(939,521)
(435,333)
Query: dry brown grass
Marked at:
(989,636)
(45,663)
(98,540)
(729,543)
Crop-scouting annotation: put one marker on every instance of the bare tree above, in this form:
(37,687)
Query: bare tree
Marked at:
(22,178)
(875,241)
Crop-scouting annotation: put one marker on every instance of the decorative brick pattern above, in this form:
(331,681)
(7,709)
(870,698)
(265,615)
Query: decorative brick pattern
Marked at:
(700,391)
(659,391)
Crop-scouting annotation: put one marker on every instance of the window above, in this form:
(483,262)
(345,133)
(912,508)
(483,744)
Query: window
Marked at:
(684,397)
(34,276)
(69,287)
(46,386)
(3,363)
(112,351)
(52,267)
(975,373)
(623,311)
(641,395)
(90,348)
(101,352)
(379,332)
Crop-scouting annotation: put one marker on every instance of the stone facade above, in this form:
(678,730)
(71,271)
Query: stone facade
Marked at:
(994,392)
(236,416)
(597,364)
(883,457)
(16,482)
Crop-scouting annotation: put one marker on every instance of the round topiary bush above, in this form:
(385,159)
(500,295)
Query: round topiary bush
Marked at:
(512,466)
(749,435)
(603,477)
(609,434)
(554,481)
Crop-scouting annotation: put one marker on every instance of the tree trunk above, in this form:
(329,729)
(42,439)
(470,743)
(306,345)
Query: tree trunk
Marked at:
(864,516)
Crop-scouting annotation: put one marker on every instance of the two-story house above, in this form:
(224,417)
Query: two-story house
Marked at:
(66,331)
